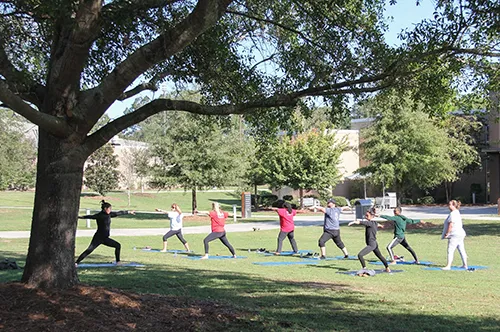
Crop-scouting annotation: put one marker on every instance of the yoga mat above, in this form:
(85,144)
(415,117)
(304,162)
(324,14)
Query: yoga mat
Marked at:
(404,263)
(351,257)
(171,251)
(353,273)
(131,264)
(290,253)
(215,257)
(318,259)
(457,268)
(310,262)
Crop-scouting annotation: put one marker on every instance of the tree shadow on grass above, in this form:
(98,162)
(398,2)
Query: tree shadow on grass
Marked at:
(227,204)
(286,304)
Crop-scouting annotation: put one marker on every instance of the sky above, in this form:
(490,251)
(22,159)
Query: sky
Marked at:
(404,15)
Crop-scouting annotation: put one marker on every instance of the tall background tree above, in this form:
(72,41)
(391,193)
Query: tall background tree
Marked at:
(196,153)
(305,161)
(17,153)
(408,148)
(63,63)
(101,173)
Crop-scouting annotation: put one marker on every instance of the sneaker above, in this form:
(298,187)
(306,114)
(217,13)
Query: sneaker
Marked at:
(346,256)
(322,257)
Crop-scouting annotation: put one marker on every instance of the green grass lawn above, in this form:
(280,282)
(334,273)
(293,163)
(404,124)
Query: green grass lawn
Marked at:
(16,208)
(314,297)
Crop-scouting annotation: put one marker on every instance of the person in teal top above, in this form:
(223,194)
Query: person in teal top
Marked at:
(400,222)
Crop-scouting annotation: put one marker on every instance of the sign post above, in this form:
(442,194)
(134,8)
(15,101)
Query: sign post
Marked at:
(246,205)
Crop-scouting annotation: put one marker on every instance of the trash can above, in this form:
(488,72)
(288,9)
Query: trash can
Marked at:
(362,206)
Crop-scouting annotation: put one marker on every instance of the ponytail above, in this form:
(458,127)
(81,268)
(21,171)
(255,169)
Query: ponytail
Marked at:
(176,208)
(456,203)
(105,205)
(216,207)
(288,207)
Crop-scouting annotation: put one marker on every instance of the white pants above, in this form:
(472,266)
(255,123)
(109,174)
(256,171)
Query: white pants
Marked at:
(456,242)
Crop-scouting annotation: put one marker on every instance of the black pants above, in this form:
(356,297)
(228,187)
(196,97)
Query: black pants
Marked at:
(372,246)
(172,233)
(405,244)
(97,240)
(333,234)
(281,236)
(222,237)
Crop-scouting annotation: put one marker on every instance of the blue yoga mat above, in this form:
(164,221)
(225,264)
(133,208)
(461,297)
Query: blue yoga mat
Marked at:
(457,268)
(351,257)
(353,273)
(309,262)
(132,264)
(290,253)
(215,257)
(158,250)
(316,258)
(404,263)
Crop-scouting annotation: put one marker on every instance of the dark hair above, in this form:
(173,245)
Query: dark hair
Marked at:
(105,205)
(288,206)
(398,208)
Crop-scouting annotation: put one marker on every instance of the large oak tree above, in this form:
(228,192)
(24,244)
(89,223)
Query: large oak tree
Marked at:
(63,63)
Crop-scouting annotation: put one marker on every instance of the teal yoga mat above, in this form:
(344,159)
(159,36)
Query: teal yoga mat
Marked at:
(456,268)
(215,257)
(404,263)
(303,262)
(353,273)
(131,264)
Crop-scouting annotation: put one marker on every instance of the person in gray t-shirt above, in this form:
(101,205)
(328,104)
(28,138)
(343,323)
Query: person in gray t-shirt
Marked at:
(331,228)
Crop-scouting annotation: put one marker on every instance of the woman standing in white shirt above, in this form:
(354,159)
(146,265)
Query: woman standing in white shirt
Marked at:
(175,217)
(453,231)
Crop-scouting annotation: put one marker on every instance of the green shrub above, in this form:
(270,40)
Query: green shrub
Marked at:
(352,201)
(340,200)
(267,200)
(425,200)
(407,201)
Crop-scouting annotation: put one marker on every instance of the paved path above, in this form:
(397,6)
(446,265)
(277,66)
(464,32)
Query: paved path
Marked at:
(414,212)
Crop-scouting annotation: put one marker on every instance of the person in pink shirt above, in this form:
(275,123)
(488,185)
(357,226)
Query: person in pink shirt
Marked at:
(286,214)
(218,220)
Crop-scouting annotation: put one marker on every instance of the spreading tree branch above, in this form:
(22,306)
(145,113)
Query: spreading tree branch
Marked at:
(49,123)
(204,16)
(30,90)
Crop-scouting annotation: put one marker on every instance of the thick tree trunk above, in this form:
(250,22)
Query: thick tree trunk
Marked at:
(51,255)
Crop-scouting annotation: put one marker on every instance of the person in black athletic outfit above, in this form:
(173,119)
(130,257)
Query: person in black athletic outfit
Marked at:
(101,236)
(370,239)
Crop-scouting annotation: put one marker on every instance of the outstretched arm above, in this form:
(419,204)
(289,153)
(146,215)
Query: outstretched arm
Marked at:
(355,222)
(89,216)
(319,208)
(410,221)
(162,211)
(120,213)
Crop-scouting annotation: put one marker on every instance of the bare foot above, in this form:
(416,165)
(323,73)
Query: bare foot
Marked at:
(204,257)
(163,250)
(234,256)
(277,253)
(446,268)
(388,270)
(393,263)
(119,263)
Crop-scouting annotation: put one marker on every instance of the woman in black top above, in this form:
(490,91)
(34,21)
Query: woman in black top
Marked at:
(101,236)
(371,240)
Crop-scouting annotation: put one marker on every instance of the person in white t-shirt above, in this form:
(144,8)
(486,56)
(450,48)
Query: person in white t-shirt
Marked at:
(175,216)
(453,231)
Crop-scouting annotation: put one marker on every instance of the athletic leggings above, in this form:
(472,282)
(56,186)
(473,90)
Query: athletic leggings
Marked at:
(172,233)
(457,242)
(281,237)
(331,234)
(373,246)
(222,237)
(96,242)
(405,244)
